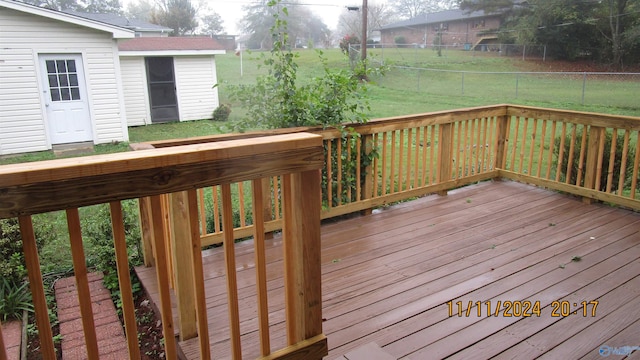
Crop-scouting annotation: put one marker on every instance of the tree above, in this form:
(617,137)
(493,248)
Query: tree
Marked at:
(212,24)
(409,9)
(379,15)
(179,15)
(90,6)
(140,10)
(302,25)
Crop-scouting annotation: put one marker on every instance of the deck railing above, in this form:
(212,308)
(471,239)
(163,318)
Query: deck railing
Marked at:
(594,156)
(175,173)
(395,159)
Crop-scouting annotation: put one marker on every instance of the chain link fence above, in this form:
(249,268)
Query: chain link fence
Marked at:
(605,89)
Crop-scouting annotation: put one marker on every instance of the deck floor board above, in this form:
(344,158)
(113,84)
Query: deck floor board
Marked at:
(387,278)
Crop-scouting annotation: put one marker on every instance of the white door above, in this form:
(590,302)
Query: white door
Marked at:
(65,95)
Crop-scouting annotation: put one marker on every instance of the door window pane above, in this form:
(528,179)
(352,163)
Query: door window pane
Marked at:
(63,80)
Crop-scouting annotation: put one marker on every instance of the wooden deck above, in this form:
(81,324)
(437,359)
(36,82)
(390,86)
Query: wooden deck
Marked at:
(387,278)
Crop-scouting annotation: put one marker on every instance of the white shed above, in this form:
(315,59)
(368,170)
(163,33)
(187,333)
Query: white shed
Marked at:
(60,79)
(169,78)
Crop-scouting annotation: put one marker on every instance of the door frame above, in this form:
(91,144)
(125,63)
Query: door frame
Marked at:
(43,89)
(150,95)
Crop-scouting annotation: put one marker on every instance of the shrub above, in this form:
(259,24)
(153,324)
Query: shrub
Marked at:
(348,40)
(577,168)
(221,113)
(400,40)
(12,266)
(14,299)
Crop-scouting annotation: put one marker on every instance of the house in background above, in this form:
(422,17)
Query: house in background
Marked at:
(140,28)
(59,79)
(169,78)
(456,28)
(66,78)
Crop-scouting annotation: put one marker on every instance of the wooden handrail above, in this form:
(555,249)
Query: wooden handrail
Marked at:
(176,172)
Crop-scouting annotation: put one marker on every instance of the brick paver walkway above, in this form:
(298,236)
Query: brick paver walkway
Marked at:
(112,343)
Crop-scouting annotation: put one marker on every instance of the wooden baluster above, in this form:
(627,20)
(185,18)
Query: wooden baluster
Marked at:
(349,169)
(301,243)
(37,288)
(445,143)
(3,348)
(230,266)
(198,276)
(266,203)
(384,163)
(561,154)
(409,152)
(124,280)
(478,145)
(261,267)
(484,144)
(425,145)
(202,213)
(216,209)
(416,168)
(502,134)
(339,171)
(543,135)
(146,231)
(166,215)
(163,277)
(392,175)
(525,129)
(457,171)
(376,163)
(276,195)
(465,146)
(472,148)
(490,145)
(623,161)
(329,166)
(432,157)
(532,145)
(82,283)
(636,165)
(515,146)
(612,159)
(401,158)
(358,169)
(183,269)
(600,159)
(552,144)
(583,151)
(593,152)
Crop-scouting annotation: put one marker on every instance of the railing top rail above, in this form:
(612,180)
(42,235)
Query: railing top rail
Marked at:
(59,184)
(579,117)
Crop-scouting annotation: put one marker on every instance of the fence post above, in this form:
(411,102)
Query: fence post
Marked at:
(445,154)
(183,264)
(301,242)
(596,134)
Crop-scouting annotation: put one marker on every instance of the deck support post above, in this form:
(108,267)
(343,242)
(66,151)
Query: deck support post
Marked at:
(301,243)
(183,264)
(367,188)
(445,155)
(502,133)
(146,231)
(596,134)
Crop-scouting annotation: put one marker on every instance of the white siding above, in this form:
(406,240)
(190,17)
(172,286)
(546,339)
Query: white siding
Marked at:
(23,36)
(195,78)
(134,84)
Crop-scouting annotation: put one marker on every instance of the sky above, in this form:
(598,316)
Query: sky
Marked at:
(231,10)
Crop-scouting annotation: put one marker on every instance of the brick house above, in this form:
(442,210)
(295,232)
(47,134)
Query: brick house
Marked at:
(458,28)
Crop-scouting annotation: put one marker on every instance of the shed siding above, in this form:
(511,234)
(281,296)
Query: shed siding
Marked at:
(134,83)
(195,78)
(23,36)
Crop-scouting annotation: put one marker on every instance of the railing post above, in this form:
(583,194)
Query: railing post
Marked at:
(367,189)
(502,132)
(183,264)
(591,165)
(301,242)
(445,154)
(146,231)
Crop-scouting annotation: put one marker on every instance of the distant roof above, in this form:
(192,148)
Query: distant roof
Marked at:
(121,21)
(195,45)
(436,18)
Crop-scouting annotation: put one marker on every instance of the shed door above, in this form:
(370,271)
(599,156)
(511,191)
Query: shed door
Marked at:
(65,96)
(162,89)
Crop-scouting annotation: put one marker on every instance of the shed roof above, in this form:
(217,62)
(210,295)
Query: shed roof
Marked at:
(145,46)
(116,31)
(121,21)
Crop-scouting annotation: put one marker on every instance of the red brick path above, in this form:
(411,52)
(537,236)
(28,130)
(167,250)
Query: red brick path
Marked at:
(112,343)
(12,333)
